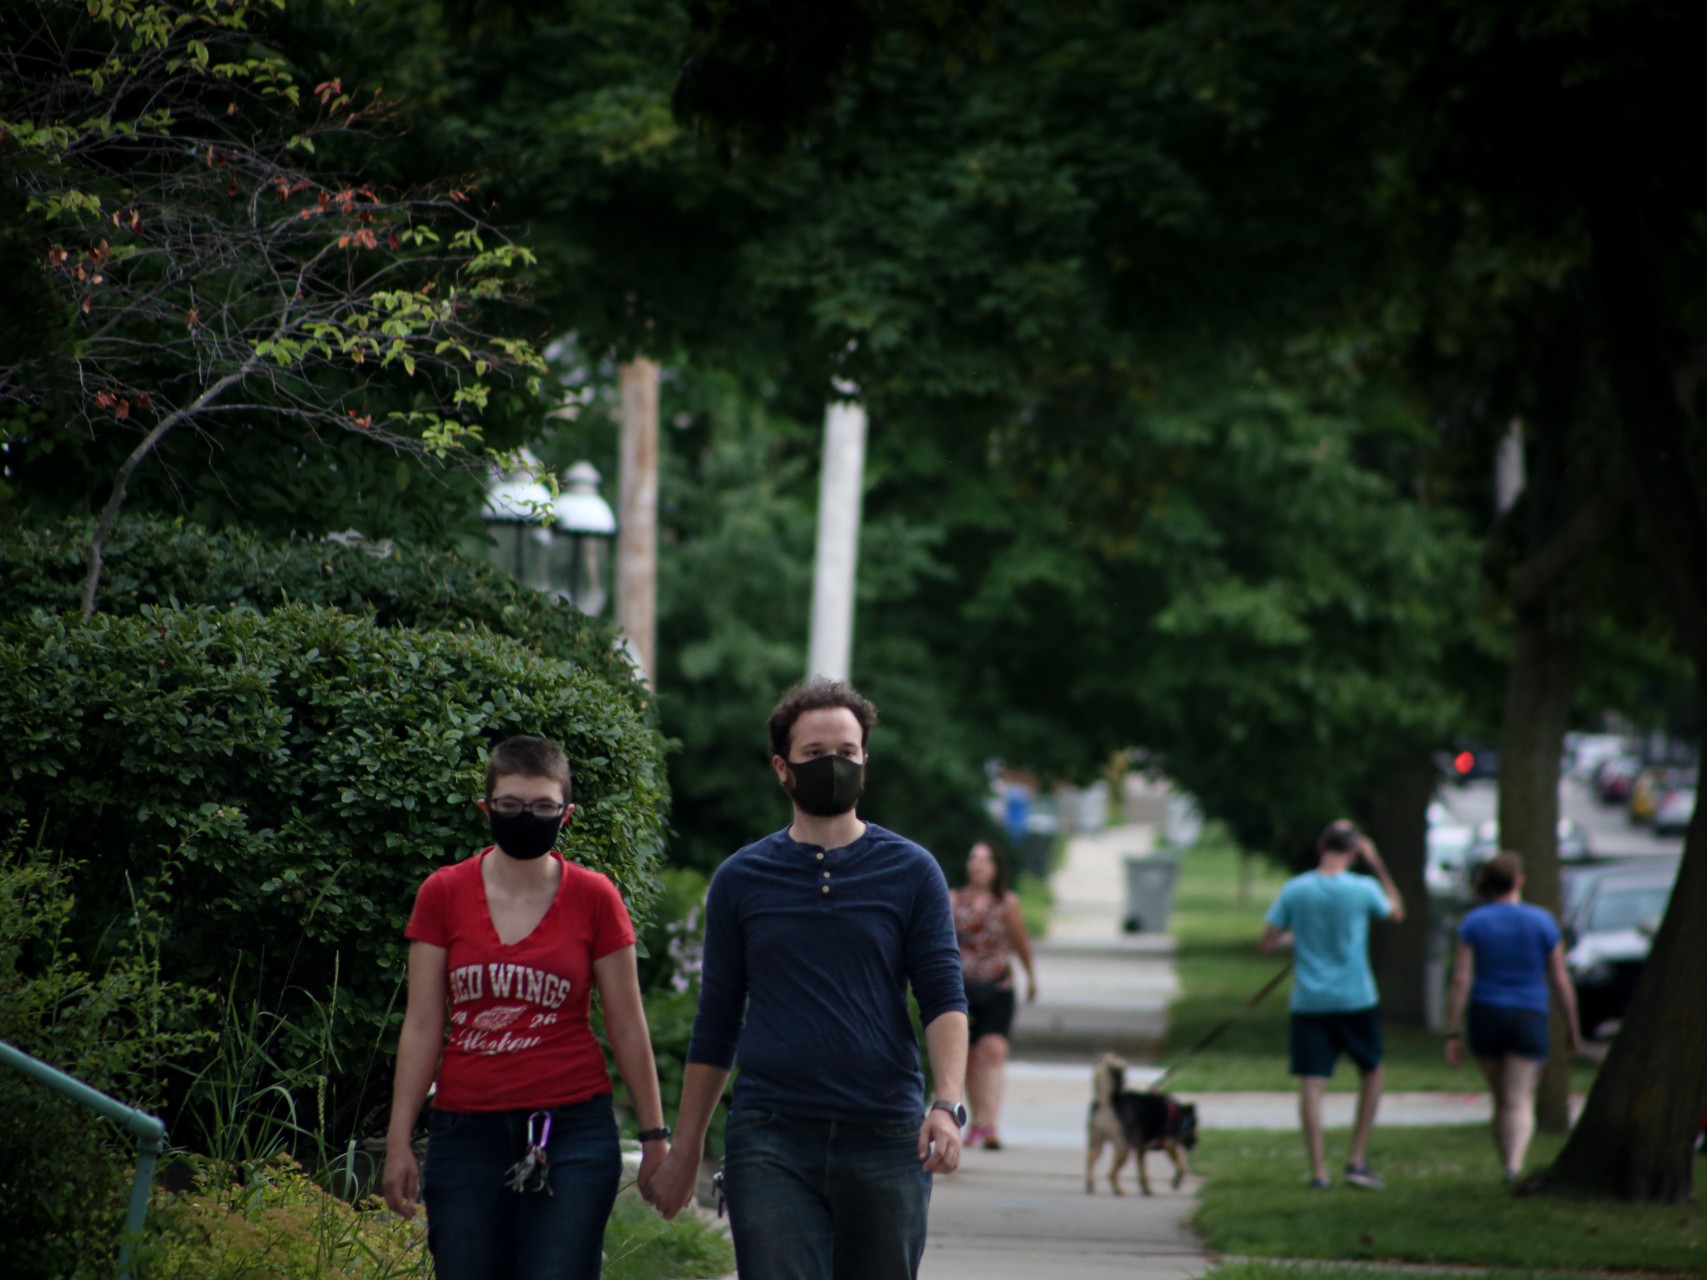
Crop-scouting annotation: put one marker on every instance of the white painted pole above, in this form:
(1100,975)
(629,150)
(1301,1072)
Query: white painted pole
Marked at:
(637,516)
(840,497)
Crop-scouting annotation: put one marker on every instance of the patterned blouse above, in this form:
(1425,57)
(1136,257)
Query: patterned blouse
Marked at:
(981,923)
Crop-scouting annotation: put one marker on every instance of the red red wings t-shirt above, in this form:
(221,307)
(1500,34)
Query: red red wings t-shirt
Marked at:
(519,1035)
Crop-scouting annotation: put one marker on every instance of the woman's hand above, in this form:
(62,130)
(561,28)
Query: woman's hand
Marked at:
(402,1180)
(652,1156)
(1031,988)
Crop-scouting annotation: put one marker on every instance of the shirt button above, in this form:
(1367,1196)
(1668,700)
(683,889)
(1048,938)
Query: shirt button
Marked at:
(826,875)
(826,888)
(820,857)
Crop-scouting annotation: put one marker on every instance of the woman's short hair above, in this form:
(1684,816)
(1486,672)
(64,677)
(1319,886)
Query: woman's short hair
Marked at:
(1498,876)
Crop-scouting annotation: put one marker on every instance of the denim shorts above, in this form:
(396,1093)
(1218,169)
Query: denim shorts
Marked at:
(1318,1039)
(1499,1032)
(824,1200)
(479,1229)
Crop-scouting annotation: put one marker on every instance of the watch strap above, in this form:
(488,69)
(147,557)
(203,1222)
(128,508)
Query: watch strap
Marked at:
(956,1110)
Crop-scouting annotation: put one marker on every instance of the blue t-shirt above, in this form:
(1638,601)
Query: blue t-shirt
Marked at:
(1328,917)
(808,956)
(1512,941)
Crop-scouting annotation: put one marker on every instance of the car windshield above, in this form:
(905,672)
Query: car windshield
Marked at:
(1625,908)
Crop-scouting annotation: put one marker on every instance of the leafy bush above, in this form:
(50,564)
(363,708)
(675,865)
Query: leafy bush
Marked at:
(275,1221)
(278,785)
(64,1172)
(151,561)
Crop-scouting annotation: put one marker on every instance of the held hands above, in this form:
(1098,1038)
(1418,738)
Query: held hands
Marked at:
(939,1142)
(652,1156)
(402,1182)
(669,1184)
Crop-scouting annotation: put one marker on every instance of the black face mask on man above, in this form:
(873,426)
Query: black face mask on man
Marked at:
(524,836)
(828,786)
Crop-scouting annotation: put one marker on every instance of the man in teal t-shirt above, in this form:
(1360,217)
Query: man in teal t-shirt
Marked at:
(1325,916)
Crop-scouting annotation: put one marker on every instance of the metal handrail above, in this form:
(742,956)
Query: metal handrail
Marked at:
(149,1131)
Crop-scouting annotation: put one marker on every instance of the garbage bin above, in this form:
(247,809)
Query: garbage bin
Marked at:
(1150,891)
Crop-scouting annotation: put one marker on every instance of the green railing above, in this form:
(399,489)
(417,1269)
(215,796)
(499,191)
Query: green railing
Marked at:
(150,1134)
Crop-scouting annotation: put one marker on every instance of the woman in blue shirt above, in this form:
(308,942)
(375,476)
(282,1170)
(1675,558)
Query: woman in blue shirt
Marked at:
(1509,953)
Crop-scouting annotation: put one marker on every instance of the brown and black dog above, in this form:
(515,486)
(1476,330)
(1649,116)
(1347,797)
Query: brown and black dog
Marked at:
(1134,1121)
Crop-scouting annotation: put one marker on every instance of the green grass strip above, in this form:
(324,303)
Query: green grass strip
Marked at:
(1445,1203)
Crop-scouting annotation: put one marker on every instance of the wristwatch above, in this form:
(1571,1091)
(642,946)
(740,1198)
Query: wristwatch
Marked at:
(955,1109)
(660,1134)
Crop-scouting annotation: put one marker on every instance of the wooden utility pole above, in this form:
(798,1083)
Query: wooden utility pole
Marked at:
(637,519)
(840,497)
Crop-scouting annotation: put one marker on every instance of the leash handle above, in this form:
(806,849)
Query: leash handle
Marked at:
(1216,1032)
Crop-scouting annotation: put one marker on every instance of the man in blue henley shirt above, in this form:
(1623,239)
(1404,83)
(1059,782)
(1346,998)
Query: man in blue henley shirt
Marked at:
(813,936)
(1326,913)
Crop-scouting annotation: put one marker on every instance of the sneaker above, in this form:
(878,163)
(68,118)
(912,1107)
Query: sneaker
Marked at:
(1319,1184)
(991,1141)
(1359,1175)
(975,1135)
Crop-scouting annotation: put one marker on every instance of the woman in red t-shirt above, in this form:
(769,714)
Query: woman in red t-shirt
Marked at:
(523,1161)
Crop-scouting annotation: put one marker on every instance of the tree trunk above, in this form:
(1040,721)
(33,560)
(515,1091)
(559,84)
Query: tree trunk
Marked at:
(1634,1138)
(1397,821)
(1537,713)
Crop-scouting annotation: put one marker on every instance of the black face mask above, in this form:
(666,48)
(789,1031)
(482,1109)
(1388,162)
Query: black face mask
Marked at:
(524,836)
(828,786)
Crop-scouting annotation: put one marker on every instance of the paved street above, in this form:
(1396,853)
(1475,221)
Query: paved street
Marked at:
(1610,833)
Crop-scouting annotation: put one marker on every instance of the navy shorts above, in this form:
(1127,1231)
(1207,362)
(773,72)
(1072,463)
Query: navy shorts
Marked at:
(989,1011)
(1318,1039)
(1497,1032)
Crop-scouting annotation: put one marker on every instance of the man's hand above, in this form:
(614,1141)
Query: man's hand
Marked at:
(402,1182)
(672,1185)
(939,1142)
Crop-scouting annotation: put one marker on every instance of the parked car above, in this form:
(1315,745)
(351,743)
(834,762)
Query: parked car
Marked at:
(1578,879)
(1585,752)
(1613,776)
(1651,786)
(1448,843)
(1675,810)
(1610,940)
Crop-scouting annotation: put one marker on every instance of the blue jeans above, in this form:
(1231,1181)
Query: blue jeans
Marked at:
(824,1200)
(479,1229)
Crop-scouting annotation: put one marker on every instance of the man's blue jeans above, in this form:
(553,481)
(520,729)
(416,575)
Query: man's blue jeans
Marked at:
(824,1200)
(479,1229)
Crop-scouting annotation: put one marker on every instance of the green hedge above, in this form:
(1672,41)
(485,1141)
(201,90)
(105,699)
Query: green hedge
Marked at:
(277,785)
(160,562)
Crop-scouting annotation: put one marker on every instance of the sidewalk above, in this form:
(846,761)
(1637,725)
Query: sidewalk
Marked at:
(1022,1212)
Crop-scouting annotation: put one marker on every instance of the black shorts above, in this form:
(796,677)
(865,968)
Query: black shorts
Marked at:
(1497,1032)
(989,1010)
(1318,1039)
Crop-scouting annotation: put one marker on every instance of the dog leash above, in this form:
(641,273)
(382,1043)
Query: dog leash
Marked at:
(1216,1032)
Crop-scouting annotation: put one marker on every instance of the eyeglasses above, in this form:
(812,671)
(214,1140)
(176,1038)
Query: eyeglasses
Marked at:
(510,807)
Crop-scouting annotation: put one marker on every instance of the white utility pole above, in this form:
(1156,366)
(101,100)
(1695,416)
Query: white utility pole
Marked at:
(840,497)
(637,517)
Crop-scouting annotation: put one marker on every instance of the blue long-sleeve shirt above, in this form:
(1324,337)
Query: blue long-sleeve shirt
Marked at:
(816,948)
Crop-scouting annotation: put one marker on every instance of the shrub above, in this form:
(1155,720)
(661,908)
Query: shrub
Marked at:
(64,1172)
(278,785)
(152,561)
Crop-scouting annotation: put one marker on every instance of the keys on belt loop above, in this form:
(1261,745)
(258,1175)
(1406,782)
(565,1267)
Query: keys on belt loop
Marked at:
(531,1171)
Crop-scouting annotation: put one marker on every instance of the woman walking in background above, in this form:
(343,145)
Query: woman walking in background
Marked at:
(1509,953)
(991,929)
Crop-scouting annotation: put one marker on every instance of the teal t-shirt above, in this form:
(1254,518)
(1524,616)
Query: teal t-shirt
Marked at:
(1328,917)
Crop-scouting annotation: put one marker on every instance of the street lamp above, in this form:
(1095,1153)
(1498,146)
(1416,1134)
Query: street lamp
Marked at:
(562,554)
(585,527)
